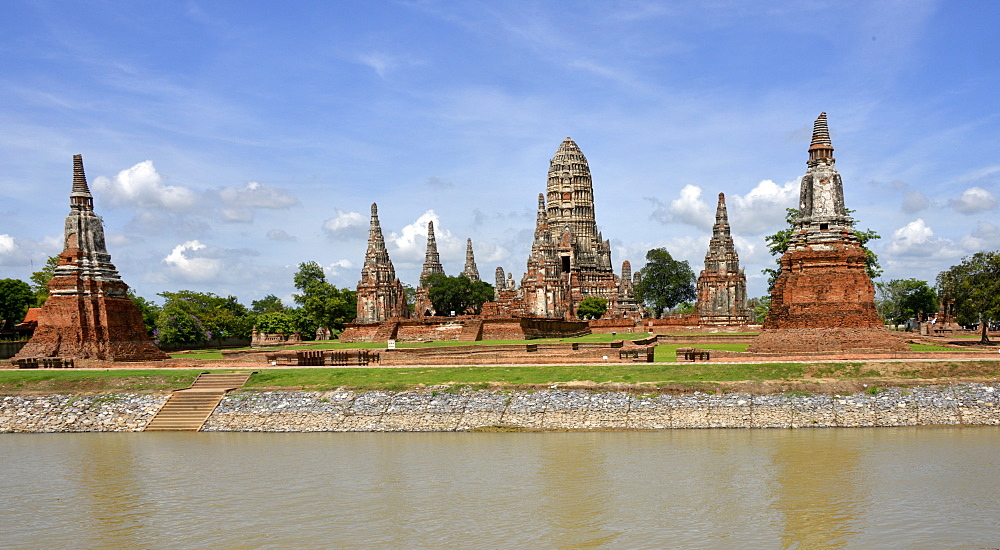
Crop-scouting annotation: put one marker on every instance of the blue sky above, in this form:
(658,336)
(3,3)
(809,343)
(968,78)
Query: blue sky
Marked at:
(226,142)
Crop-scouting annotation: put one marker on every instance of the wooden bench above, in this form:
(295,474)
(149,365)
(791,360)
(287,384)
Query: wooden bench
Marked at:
(638,355)
(693,354)
(44,362)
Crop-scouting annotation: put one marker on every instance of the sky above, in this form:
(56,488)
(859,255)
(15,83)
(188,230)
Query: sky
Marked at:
(226,142)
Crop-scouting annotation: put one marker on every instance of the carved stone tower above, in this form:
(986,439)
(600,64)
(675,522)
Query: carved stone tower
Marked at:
(471,272)
(722,285)
(380,294)
(823,299)
(88,314)
(432,266)
(569,260)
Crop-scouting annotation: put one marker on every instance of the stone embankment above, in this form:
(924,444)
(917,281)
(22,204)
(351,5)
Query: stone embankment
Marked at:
(431,410)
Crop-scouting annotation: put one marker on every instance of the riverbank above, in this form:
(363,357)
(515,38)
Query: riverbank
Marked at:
(498,410)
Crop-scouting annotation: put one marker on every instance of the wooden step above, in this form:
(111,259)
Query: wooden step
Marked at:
(188,409)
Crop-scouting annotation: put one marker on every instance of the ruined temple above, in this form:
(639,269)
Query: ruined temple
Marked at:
(432,266)
(471,272)
(569,259)
(823,299)
(722,285)
(380,294)
(88,314)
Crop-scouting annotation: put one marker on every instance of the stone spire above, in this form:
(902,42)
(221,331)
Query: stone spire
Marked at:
(822,215)
(823,299)
(721,255)
(88,313)
(570,191)
(432,260)
(471,272)
(380,294)
(722,285)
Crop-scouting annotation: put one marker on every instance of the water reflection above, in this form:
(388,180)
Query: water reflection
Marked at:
(820,490)
(110,491)
(576,491)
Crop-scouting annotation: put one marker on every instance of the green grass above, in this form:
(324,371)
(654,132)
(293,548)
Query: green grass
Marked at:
(333,344)
(70,381)
(667,353)
(931,347)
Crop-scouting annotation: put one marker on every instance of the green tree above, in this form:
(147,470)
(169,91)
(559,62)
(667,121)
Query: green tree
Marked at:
(760,307)
(150,311)
(275,322)
(778,243)
(591,307)
(216,317)
(664,282)
(327,305)
(903,299)
(15,299)
(40,280)
(974,285)
(268,304)
(457,294)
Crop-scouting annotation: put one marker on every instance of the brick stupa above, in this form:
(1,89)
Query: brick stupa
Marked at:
(432,266)
(569,260)
(722,285)
(380,294)
(823,299)
(88,314)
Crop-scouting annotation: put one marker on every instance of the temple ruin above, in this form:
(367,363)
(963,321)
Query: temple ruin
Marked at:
(380,294)
(432,266)
(569,258)
(88,314)
(823,299)
(722,285)
(470,271)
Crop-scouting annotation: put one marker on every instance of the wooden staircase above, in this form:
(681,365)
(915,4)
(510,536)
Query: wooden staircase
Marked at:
(188,409)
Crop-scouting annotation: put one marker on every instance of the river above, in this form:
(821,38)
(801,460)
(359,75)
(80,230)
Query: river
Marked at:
(924,487)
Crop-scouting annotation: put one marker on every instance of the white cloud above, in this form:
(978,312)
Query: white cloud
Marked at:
(973,200)
(337,268)
(142,186)
(986,236)
(346,225)
(411,242)
(763,208)
(257,195)
(7,244)
(186,263)
(279,235)
(237,215)
(687,209)
(914,201)
(916,239)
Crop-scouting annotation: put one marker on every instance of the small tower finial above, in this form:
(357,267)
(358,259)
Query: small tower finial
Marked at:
(820,147)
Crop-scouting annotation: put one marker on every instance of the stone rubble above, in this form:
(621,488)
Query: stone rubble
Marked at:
(555,409)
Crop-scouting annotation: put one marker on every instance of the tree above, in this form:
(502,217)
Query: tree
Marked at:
(148,308)
(760,307)
(268,304)
(40,280)
(664,282)
(591,307)
(974,285)
(778,243)
(217,318)
(325,304)
(903,299)
(457,294)
(15,299)
(275,322)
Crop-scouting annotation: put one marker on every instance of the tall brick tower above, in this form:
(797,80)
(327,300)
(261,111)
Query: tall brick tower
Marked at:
(88,314)
(380,294)
(569,260)
(823,300)
(432,266)
(471,272)
(722,285)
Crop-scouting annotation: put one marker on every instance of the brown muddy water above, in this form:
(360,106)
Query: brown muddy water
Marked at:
(819,488)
